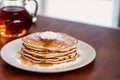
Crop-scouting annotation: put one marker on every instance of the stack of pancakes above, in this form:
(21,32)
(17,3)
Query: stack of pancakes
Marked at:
(57,50)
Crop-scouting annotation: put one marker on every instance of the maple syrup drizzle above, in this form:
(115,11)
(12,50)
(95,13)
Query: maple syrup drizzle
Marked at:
(29,63)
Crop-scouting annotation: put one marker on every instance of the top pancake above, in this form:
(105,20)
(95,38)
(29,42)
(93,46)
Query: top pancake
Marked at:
(62,42)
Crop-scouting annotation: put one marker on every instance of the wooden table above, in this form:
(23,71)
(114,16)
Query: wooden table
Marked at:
(105,41)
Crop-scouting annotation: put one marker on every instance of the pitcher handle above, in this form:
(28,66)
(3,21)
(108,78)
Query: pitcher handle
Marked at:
(34,18)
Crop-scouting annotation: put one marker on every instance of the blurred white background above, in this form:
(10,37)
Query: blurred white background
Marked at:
(96,12)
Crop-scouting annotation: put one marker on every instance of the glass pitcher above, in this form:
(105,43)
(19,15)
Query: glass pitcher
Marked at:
(15,20)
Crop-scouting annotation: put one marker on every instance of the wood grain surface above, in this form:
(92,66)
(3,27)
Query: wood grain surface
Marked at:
(105,41)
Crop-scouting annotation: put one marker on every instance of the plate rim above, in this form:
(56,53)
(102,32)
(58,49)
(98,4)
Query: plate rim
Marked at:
(47,71)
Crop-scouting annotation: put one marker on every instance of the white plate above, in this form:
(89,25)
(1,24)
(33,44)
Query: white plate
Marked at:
(10,56)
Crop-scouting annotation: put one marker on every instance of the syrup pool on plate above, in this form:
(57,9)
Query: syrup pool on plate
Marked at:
(26,62)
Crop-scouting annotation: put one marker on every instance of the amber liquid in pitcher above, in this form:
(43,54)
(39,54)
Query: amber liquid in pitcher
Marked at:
(15,21)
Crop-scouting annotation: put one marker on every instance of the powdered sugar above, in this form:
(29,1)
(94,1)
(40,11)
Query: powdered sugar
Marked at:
(35,36)
(48,35)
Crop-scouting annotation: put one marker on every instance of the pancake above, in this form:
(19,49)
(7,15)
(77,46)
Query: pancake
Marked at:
(53,60)
(62,42)
(49,47)
(47,54)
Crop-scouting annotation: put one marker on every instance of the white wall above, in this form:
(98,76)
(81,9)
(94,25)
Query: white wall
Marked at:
(31,6)
(98,12)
